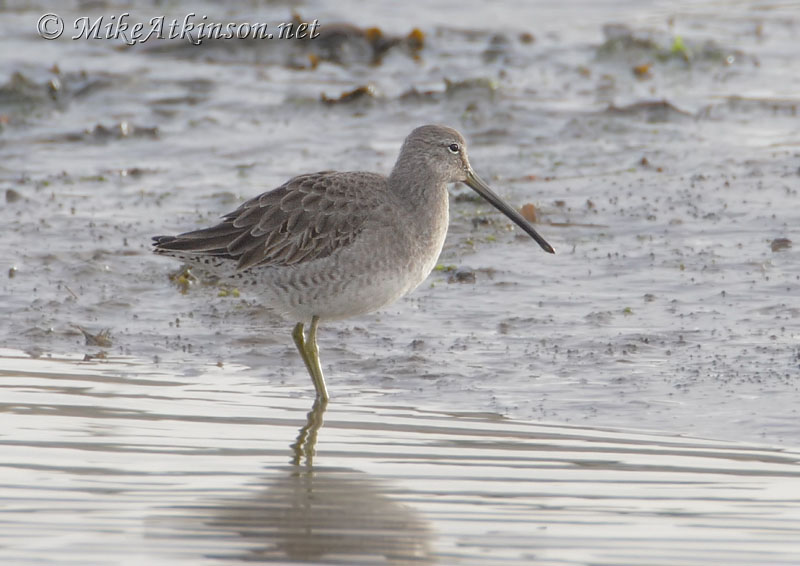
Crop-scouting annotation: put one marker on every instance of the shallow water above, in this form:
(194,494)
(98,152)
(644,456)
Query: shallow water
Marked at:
(114,463)
(670,308)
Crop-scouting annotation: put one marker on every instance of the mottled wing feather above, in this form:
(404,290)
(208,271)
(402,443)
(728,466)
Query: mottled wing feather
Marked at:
(307,218)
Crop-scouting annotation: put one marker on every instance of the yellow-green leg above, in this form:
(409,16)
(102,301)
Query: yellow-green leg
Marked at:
(309,351)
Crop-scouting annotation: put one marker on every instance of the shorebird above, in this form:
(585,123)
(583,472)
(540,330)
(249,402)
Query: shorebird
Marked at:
(332,245)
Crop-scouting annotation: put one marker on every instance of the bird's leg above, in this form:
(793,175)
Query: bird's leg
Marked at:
(309,351)
(312,352)
(300,342)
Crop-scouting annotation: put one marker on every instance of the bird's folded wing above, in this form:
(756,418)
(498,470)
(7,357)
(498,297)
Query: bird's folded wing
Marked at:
(309,217)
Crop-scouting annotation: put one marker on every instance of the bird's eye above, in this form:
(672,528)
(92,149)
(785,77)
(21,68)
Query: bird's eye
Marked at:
(453,147)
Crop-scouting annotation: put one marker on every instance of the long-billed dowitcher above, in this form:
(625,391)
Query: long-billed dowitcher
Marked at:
(331,245)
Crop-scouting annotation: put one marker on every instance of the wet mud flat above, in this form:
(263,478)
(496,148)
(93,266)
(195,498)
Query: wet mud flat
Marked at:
(666,180)
(656,147)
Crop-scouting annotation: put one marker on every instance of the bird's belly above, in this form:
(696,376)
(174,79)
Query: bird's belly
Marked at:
(356,282)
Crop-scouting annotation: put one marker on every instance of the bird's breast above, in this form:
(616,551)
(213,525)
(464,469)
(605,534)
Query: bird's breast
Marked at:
(424,234)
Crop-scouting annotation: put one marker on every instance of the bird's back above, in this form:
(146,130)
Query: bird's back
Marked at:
(307,218)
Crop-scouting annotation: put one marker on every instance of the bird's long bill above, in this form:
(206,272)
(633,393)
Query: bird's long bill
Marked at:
(483,189)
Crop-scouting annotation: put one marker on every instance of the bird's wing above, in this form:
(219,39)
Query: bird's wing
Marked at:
(307,218)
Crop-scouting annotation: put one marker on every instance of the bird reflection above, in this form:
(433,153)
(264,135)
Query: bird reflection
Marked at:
(309,513)
(306,442)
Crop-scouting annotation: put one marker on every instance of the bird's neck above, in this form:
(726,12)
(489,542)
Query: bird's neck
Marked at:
(419,191)
(418,183)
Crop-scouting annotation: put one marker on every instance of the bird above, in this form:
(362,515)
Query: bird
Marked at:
(332,245)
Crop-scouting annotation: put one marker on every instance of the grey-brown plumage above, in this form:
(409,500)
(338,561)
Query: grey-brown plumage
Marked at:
(306,218)
(332,245)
